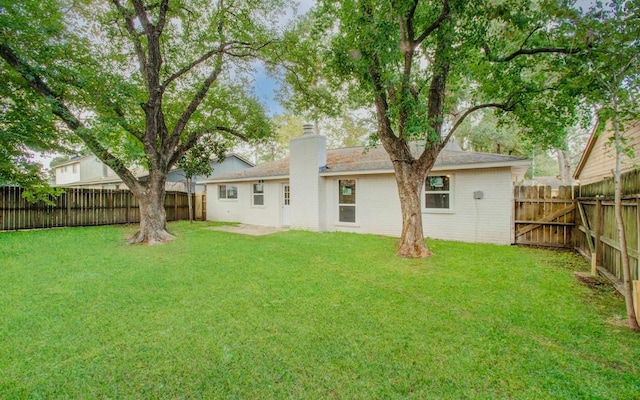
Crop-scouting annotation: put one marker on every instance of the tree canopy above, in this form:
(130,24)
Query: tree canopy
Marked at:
(137,82)
(425,66)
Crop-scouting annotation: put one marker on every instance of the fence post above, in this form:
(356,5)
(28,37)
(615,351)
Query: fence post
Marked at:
(636,298)
(638,237)
(598,230)
(67,192)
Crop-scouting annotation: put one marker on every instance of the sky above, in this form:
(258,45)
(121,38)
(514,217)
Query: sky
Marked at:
(265,87)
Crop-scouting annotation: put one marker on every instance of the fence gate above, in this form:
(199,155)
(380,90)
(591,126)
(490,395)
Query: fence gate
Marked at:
(544,217)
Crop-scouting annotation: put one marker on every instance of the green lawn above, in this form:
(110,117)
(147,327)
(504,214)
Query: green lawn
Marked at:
(302,315)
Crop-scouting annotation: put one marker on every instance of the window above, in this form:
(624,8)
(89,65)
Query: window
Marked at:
(258,194)
(347,200)
(438,192)
(286,195)
(227,192)
(75,168)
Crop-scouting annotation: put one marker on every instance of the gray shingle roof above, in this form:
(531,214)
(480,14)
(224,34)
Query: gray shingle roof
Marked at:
(362,159)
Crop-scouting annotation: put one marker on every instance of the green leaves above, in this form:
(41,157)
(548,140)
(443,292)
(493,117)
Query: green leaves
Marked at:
(140,81)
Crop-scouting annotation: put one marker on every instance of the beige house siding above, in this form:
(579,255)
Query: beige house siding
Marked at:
(599,158)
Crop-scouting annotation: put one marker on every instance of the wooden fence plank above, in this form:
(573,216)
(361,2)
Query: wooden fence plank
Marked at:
(80,207)
(547,218)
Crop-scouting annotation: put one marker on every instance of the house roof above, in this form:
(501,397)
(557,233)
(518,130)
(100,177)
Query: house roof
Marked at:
(363,160)
(137,172)
(74,160)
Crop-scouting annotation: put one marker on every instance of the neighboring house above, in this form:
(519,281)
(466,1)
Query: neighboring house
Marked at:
(89,172)
(82,168)
(468,196)
(599,157)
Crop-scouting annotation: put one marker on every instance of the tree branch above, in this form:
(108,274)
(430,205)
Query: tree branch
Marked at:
(137,44)
(435,25)
(187,68)
(522,52)
(509,105)
(193,137)
(162,17)
(60,109)
(193,105)
(502,106)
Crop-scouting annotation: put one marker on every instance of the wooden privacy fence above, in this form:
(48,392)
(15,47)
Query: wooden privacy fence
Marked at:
(80,207)
(583,219)
(596,234)
(543,218)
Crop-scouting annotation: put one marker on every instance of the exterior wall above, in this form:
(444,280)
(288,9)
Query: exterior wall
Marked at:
(241,209)
(84,168)
(601,160)
(488,220)
(92,168)
(68,173)
(308,154)
(377,205)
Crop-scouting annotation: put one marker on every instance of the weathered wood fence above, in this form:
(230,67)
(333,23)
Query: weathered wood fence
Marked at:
(80,207)
(544,218)
(583,219)
(596,233)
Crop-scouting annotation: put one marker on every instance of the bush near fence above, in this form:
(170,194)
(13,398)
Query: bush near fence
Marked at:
(81,207)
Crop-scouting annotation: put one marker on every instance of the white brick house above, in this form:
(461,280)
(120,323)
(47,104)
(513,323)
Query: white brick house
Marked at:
(468,196)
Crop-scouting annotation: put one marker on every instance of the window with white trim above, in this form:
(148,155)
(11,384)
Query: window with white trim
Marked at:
(347,200)
(437,192)
(258,194)
(227,192)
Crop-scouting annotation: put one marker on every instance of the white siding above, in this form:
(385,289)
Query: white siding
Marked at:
(488,220)
(377,205)
(241,209)
(68,173)
(308,154)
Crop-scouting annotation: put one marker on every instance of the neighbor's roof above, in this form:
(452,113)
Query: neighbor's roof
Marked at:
(362,160)
(73,160)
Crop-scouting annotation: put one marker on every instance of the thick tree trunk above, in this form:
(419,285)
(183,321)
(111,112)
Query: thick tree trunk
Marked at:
(410,184)
(153,217)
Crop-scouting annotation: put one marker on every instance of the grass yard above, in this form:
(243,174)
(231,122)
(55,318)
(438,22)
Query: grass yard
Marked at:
(302,315)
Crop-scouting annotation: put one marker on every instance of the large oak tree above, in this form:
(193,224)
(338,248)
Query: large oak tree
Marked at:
(138,82)
(425,65)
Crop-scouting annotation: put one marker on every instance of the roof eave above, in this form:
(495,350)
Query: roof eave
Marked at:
(587,151)
(243,179)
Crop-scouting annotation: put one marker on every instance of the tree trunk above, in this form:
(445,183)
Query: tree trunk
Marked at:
(626,268)
(410,184)
(564,166)
(153,217)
